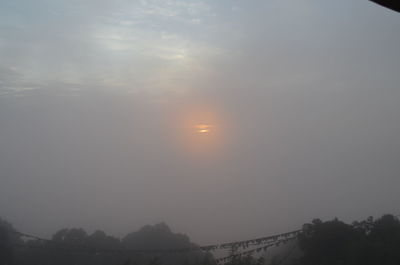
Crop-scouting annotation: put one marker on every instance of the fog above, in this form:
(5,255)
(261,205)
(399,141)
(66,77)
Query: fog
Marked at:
(99,101)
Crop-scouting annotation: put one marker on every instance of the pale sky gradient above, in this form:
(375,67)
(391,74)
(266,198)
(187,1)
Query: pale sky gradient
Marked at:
(98,100)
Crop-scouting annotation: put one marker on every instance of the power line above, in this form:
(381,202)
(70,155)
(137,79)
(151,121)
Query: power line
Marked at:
(252,251)
(263,242)
(228,245)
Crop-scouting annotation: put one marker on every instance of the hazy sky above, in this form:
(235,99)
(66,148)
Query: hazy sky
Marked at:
(99,101)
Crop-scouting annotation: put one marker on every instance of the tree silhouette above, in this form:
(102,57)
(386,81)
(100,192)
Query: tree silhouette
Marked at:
(368,242)
(8,238)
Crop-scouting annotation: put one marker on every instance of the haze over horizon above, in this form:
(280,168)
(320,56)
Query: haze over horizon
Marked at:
(225,119)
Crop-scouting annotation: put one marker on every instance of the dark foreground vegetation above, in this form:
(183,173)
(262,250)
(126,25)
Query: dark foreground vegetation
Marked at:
(369,242)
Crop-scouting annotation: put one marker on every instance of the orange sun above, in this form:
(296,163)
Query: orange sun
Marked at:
(203,128)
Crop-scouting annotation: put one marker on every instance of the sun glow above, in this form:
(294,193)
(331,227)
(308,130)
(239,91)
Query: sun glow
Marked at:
(201,131)
(203,128)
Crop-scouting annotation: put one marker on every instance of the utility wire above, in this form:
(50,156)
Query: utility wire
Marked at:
(267,241)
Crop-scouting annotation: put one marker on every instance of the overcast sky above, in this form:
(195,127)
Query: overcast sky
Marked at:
(99,103)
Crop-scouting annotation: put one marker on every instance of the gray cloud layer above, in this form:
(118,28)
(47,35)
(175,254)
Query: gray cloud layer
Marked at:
(91,93)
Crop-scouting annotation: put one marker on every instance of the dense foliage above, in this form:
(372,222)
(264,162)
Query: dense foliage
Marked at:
(369,242)
(7,240)
(75,246)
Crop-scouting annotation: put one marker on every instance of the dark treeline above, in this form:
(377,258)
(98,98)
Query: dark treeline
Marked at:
(75,246)
(368,242)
